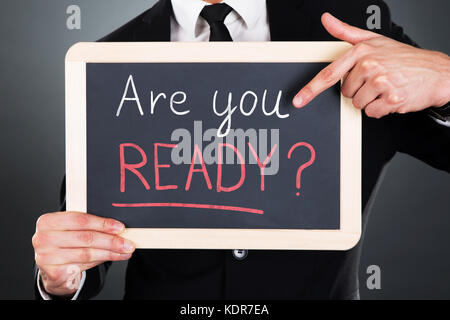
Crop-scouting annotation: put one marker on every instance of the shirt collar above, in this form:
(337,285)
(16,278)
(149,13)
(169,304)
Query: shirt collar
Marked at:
(187,12)
(249,10)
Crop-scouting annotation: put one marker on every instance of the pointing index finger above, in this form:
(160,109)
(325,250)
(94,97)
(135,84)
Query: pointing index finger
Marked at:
(325,79)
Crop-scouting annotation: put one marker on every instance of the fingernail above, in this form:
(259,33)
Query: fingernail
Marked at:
(125,256)
(118,227)
(298,102)
(128,246)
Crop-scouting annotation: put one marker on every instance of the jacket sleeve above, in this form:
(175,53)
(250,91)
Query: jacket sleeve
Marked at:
(424,135)
(95,277)
(420,136)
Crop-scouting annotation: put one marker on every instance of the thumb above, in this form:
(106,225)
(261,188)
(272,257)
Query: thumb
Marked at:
(345,32)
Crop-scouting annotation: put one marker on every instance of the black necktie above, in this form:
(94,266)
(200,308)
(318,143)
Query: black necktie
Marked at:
(215,15)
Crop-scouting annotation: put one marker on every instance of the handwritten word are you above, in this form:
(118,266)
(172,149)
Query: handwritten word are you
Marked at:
(247,105)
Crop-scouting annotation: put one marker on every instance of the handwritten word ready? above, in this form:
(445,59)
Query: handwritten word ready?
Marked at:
(197,157)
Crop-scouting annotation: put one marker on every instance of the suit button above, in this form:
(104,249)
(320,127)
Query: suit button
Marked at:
(240,254)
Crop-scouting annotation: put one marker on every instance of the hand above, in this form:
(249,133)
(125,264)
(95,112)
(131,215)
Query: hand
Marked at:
(382,75)
(68,243)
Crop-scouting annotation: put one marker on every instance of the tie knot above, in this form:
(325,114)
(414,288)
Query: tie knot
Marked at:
(215,13)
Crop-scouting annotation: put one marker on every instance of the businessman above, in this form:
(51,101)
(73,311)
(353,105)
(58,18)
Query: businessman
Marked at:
(403,91)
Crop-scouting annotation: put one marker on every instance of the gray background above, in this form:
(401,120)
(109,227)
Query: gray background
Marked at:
(409,227)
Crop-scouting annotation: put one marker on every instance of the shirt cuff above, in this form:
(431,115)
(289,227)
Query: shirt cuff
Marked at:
(46,296)
(442,123)
(441,115)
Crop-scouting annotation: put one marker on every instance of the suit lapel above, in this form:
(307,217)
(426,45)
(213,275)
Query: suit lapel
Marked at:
(288,20)
(155,25)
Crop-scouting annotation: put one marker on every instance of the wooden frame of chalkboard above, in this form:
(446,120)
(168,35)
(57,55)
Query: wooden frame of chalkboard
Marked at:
(190,238)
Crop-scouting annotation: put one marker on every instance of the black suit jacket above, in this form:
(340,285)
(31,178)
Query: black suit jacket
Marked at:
(216,274)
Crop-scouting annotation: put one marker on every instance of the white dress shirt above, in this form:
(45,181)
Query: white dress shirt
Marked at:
(247,22)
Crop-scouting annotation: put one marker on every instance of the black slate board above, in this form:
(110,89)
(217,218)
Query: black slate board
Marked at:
(277,207)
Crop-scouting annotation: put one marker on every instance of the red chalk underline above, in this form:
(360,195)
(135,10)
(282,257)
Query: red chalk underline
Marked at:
(187,205)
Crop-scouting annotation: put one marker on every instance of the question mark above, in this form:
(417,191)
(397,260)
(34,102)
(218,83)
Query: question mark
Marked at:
(305,165)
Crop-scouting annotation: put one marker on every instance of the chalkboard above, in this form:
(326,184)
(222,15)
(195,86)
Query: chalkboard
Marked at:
(189,152)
